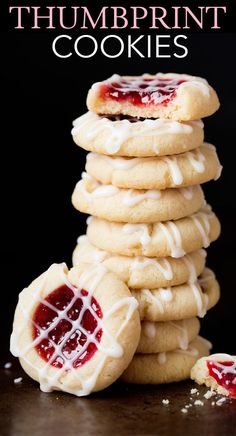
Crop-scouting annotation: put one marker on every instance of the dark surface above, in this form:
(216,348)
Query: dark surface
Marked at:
(119,410)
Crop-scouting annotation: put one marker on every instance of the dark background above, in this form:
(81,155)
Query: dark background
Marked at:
(40,164)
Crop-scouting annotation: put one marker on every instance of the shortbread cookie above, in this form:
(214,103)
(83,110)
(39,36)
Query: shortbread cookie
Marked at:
(218,372)
(135,206)
(116,135)
(172,238)
(167,367)
(174,96)
(159,337)
(178,302)
(75,331)
(140,272)
(186,169)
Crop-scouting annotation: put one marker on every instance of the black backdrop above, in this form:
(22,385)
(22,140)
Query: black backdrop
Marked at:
(40,163)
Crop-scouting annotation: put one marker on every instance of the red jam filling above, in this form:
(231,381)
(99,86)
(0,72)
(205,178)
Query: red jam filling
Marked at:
(141,91)
(63,339)
(225,374)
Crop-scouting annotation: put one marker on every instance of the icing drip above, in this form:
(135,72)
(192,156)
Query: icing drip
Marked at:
(200,298)
(174,239)
(50,379)
(119,131)
(132,200)
(183,334)
(187,192)
(163,265)
(158,297)
(197,160)
(129,229)
(149,329)
(204,230)
(174,169)
(161,358)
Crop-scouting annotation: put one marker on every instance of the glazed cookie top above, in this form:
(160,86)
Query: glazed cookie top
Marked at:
(217,371)
(175,96)
(130,136)
(76,330)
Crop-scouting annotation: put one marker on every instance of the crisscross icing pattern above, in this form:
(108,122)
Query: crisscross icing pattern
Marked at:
(66,332)
(143,90)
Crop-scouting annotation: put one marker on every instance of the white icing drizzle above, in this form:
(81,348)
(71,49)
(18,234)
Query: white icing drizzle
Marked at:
(89,220)
(149,329)
(120,131)
(191,268)
(50,380)
(174,169)
(187,192)
(129,229)
(161,358)
(183,333)
(173,236)
(163,265)
(196,159)
(131,200)
(200,298)
(203,229)
(158,297)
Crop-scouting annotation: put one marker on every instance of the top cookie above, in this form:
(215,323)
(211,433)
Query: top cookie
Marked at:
(175,96)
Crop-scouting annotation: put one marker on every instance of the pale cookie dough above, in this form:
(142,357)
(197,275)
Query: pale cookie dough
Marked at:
(222,378)
(171,238)
(174,96)
(167,367)
(185,169)
(135,206)
(136,137)
(178,302)
(159,337)
(75,331)
(140,272)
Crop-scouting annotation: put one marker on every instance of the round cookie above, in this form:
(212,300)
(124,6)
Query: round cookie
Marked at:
(75,331)
(190,168)
(135,206)
(140,272)
(159,337)
(218,372)
(172,238)
(174,96)
(136,137)
(178,302)
(167,367)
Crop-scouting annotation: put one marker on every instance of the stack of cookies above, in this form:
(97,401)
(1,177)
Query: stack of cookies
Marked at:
(149,220)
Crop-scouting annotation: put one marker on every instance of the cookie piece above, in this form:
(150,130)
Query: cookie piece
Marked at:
(175,96)
(178,302)
(218,372)
(159,337)
(135,206)
(129,136)
(167,367)
(185,169)
(75,331)
(172,238)
(140,272)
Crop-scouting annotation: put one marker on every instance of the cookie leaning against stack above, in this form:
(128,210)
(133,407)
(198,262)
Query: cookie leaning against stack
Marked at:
(149,219)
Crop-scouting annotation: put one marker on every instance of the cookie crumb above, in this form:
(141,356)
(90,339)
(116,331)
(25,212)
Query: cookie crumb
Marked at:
(8,365)
(221,401)
(198,403)
(209,394)
(184,410)
(188,405)
(193,391)
(18,380)
(165,402)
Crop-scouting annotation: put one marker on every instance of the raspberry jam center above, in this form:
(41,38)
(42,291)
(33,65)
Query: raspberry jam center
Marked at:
(141,91)
(66,327)
(225,374)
